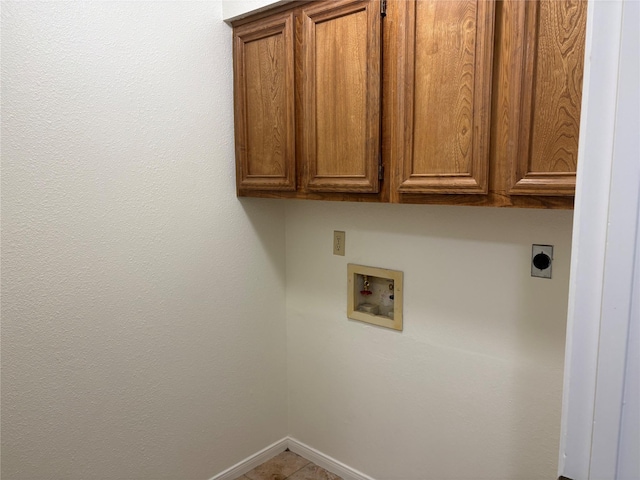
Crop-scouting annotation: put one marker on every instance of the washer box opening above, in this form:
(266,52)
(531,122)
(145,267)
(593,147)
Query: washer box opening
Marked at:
(374,295)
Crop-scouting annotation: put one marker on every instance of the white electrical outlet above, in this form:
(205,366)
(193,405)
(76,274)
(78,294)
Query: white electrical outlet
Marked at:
(338,242)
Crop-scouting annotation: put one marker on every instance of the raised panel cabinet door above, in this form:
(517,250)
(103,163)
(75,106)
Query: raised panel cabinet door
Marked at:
(546,153)
(445,102)
(264,104)
(340,72)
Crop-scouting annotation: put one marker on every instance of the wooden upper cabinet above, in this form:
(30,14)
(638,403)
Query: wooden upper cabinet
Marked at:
(340,77)
(264,104)
(549,74)
(444,89)
(466,102)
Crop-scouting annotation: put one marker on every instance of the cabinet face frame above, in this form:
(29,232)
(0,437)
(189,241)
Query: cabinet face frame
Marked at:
(365,181)
(476,179)
(247,115)
(525,180)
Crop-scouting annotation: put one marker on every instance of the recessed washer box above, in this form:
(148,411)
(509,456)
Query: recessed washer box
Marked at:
(374,295)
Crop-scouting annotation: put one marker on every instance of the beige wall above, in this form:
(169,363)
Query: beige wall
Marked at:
(471,389)
(143,305)
(143,332)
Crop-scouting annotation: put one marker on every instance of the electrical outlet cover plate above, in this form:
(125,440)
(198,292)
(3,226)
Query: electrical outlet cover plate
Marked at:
(541,260)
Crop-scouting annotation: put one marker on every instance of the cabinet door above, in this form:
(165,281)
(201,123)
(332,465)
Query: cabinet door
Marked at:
(264,104)
(340,76)
(445,88)
(546,154)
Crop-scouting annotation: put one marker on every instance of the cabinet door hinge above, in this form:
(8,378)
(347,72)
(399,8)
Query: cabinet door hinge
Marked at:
(380,168)
(383,8)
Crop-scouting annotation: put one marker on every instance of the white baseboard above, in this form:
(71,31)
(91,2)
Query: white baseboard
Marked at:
(253,461)
(325,461)
(296,446)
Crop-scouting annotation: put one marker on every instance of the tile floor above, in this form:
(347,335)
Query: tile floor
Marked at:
(290,466)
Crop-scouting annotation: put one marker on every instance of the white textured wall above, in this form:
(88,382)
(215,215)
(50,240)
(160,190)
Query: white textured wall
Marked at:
(143,332)
(471,389)
(143,305)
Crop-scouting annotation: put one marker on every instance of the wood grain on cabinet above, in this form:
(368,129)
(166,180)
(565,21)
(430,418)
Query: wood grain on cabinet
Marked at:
(461,97)
(340,72)
(264,104)
(545,156)
(444,89)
